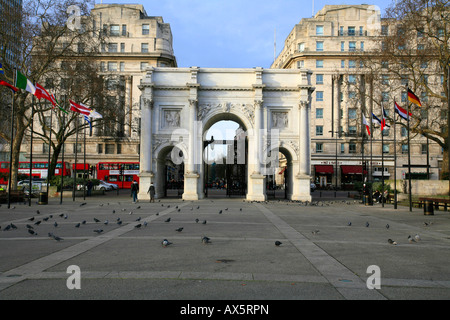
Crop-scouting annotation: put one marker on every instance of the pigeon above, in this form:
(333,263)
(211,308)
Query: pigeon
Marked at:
(315,232)
(204,222)
(278,243)
(57,238)
(138,219)
(138,207)
(106,222)
(77,225)
(411,239)
(114,211)
(13,226)
(167,220)
(7,227)
(30,231)
(145,223)
(29,227)
(119,222)
(387,226)
(179,229)
(55,224)
(206,240)
(66,216)
(417,237)
(46,218)
(196,220)
(367,224)
(31,219)
(166,243)
(390,241)
(349,224)
(61,215)
(98,231)
(38,212)
(96,220)
(84,203)
(138,226)
(240,209)
(83,222)
(220,211)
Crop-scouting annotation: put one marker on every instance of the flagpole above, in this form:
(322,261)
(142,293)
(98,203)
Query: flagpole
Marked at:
(31,152)
(49,148)
(395,161)
(84,165)
(382,157)
(409,161)
(76,152)
(11,144)
(62,156)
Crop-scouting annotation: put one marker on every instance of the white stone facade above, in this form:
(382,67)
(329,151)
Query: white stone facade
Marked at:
(179,105)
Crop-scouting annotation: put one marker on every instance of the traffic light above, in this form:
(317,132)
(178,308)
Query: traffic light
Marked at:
(91,170)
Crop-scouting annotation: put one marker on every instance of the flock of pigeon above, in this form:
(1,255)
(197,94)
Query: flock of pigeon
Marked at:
(34,222)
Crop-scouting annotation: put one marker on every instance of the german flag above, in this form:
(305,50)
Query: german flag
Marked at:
(413,98)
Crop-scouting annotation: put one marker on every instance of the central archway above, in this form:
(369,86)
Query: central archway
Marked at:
(225,157)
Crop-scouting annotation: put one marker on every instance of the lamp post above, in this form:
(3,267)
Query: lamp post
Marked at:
(207,143)
(335,162)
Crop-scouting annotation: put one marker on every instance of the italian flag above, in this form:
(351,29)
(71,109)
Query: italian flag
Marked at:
(23,83)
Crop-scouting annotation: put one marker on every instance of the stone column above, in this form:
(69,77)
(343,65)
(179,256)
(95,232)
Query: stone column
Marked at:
(146,174)
(305,139)
(191,176)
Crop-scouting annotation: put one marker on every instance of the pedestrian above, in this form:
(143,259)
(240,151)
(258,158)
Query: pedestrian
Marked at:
(151,190)
(89,185)
(134,190)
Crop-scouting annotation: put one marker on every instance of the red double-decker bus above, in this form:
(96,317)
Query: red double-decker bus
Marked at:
(120,173)
(39,170)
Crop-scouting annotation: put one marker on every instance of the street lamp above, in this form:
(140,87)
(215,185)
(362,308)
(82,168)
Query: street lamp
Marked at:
(207,143)
(336,161)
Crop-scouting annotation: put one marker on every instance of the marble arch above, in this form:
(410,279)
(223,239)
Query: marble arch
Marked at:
(179,104)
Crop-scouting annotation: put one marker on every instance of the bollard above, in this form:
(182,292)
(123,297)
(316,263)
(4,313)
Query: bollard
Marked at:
(428,208)
(43,198)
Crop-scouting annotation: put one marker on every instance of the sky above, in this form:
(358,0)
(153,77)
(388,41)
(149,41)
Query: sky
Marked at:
(233,33)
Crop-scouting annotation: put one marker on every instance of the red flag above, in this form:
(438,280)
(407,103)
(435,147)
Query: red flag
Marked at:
(6,84)
(42,93)
(80,108)
(366,124)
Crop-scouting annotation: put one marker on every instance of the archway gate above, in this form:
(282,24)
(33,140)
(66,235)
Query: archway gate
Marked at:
(179,105)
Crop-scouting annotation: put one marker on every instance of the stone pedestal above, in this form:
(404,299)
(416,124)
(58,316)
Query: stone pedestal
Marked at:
(145,179)
(302,188)
(256,188)
(191,186)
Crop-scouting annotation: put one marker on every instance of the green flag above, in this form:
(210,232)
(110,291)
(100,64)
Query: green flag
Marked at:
(23,83)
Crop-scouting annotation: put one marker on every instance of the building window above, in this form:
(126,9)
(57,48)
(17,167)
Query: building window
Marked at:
(319,147)
(114,29)
(362,46)
(351,64)
(342,147)
(100,148)
(45,148)
(145,29)
(384,30)
(77,146)
(319,130)
(403,131)
(144,66)
(351,31)
(124,30)
(352,78)
(301,47)
(112,47)
(385,148)
(109,148)
(342,45)
(424,148)
(319,46)
(385,79)
(352,114)
(122,66)
(119,148)
(319,64)
(361,31)
(144,47)
(319,78)
(404,148)
(352,46)
(342,63)
(300,64)
(384,96)
(319,113)
(319,95)
(319,30)
(352,130)
(112,66)
(352,148)
(122,47)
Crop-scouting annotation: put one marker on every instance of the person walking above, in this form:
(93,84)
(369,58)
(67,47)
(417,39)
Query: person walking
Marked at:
(134,190)
(90,185)
(151,190)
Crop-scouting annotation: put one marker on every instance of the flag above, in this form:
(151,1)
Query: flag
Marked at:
(401,112)
(80,108)
(413,98)
(55,102)
(367,125)
(88,120)
(94,114)
(375,119)
(23,83)
(1,69)
(383,119)
(4,83)
(42,93)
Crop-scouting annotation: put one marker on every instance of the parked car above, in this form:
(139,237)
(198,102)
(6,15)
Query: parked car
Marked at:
(104,186)
(313,187)
(113,185)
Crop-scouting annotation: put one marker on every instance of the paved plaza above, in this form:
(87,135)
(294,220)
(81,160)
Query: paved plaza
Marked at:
(325,253)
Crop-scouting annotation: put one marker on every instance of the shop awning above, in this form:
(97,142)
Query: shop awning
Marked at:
(352,170)
(324,169)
